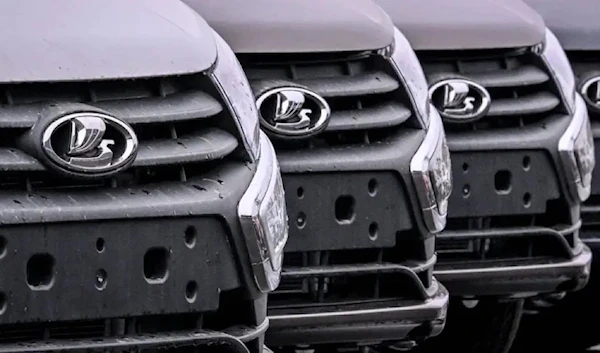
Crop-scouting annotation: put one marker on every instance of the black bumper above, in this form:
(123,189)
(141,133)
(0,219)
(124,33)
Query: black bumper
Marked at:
(506,187)
(375,321)
(352,213)
(525,278)
(230,340)
(167,250)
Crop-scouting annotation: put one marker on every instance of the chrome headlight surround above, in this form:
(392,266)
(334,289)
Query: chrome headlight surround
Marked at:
(576,150)
(408,68)
(560,68)
(431,172)
(231,81)
(263,217)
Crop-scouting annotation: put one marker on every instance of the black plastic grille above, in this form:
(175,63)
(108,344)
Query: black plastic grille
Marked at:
(181,124)
(367,100)
(521,88)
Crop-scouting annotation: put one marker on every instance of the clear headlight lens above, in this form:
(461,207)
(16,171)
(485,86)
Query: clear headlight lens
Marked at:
(263,216)
(576,148)
(408,68)
(431,171)
(230,79)
(558,63)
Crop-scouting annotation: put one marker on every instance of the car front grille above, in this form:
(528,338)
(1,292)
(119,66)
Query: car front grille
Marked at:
(521,88)
(181,124)
(367,101)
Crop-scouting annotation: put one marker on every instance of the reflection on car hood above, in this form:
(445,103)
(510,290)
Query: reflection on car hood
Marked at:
(575,22)
(466,24)
(293,26)
(66,40)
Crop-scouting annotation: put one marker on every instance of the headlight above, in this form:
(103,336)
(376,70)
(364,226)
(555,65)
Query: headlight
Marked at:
(264,220)
(230,79)
(576,148)
(407,67)
(432,174)
(558,64)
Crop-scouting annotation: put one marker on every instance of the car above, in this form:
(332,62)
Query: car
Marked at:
(142,208)
(365,168)
(573,23)
(522,159)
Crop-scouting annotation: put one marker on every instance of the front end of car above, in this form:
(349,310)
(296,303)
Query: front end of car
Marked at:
(522,158)
(365,167)
(143,209)
(575,26)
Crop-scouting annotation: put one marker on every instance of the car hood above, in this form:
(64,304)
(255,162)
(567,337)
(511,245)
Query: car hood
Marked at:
(67,40)
(466,24)
(575,23)
(292,26)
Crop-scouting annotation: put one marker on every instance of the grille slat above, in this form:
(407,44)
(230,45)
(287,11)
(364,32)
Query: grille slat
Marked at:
(209,144)
(532,104)
(381,116)
(520,86)
(15,160)
(205,145)
(178,107)
(523,76)
(356,85)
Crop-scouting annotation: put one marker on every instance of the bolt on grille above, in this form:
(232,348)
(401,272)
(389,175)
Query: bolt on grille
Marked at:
(367,100)
(178,121)
(521,88)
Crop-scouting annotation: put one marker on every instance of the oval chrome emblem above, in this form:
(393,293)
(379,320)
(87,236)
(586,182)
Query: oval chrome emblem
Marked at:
(89,143)
(460,100)
(293,112)
(590,90)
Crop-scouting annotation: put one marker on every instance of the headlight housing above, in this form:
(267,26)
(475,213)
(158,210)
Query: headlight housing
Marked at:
(230,79)
(408,68)
(431,171)
(264,220)
(560,68)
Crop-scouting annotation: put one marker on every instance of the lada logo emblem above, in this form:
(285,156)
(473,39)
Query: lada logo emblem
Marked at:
(89,143)
(293,112)
(590,90)
(460,100)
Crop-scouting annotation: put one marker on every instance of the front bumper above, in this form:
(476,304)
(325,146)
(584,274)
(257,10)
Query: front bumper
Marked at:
(376,321)
(231,340)
(171,251)
(351,219)
(505,237)
(519,279)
